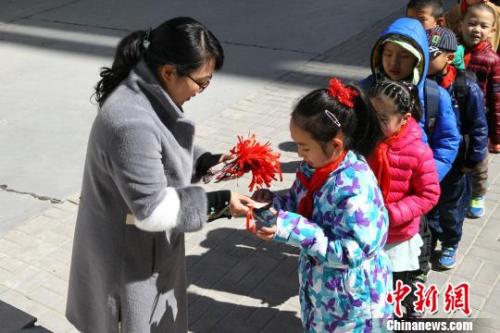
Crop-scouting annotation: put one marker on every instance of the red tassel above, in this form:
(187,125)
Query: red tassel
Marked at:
(250,156)
(258,159)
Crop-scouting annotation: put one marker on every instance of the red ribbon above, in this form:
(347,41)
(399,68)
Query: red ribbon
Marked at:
(317,180)
(345,95)
(250,222)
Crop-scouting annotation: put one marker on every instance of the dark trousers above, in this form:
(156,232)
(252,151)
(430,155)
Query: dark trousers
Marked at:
(447,218)
(426,250)
(479,178)
(408,278)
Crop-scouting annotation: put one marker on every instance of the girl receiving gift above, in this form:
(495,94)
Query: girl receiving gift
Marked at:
(334,212)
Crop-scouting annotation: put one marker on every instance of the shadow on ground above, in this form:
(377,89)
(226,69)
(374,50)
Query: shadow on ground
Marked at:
(251,279)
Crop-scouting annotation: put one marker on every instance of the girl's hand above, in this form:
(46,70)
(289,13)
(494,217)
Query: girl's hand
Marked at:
(263,195)
(239,204)
(266,233)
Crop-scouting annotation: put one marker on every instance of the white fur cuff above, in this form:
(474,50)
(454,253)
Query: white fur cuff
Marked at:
(164,216)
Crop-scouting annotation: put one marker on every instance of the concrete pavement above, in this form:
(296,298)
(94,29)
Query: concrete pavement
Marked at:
(52,51)
(237,283)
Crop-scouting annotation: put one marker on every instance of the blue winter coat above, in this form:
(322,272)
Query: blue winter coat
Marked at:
(344,273)
(445,138)
(472,122)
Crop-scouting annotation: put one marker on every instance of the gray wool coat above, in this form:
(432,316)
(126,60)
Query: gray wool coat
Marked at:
(138,171)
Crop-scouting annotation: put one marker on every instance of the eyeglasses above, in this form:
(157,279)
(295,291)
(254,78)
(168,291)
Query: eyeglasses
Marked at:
(203,85)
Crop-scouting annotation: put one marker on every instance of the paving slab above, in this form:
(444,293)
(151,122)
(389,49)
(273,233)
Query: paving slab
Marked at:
(53,49)
(236,282)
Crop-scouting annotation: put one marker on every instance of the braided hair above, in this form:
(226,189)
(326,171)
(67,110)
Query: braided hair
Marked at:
(403,94)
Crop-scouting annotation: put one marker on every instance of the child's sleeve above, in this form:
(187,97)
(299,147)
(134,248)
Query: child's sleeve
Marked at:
(476,117)
(493,101)
(360,229)
(424,197)
(287,200)
(445,140)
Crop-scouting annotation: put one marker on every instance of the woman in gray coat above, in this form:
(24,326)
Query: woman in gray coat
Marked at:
(137,200)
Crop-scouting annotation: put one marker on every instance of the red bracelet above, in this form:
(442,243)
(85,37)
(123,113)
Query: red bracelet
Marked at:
(250,223)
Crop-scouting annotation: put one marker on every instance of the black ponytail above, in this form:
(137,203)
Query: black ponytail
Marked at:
(368,133)
(183,42)
(128,53)
(358,124)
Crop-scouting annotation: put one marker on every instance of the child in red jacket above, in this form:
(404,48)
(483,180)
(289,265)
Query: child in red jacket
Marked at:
(406,172)
(480,58)
(454,17)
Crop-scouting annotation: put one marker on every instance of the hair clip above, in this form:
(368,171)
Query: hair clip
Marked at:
(332,117)
(146,40)
(345,95)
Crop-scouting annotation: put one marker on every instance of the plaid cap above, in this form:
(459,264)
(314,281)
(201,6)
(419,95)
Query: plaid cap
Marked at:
(441,39)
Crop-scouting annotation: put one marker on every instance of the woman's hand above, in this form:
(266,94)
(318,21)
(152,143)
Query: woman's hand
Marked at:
(266,233)
(263,195)
(227,158)
(239,203)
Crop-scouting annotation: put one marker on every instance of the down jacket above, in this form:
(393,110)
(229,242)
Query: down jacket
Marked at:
(445,138)
(486,64)
(414,187)
(473,126)
(344,273)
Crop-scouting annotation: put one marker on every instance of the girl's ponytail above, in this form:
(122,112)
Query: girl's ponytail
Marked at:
(128,53)
(367,133)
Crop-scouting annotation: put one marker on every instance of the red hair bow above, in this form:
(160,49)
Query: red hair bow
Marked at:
(345,95)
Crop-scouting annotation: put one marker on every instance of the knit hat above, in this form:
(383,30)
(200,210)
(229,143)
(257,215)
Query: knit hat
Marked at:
(441,39)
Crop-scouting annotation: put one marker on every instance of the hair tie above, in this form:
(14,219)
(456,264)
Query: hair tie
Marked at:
(146,40)
(345,95)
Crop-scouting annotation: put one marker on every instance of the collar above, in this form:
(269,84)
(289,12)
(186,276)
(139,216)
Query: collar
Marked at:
(153,90)
(446,80)
(308,171)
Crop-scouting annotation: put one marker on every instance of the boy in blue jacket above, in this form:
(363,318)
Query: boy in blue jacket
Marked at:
(446,220)
(402,54)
